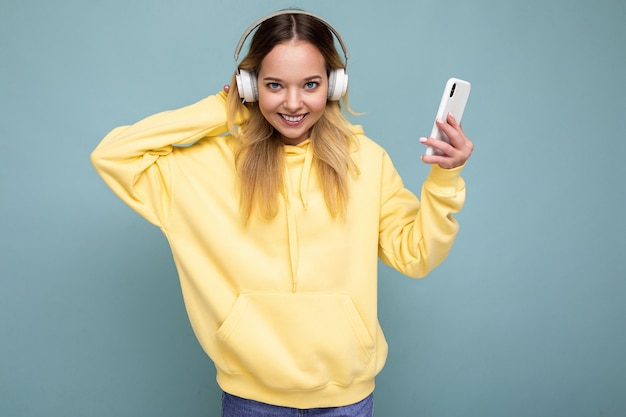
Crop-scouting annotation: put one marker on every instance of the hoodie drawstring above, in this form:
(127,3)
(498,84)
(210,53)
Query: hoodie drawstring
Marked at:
(290,202)
(305,176)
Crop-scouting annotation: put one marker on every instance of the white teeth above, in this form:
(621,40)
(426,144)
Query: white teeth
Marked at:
(292,119)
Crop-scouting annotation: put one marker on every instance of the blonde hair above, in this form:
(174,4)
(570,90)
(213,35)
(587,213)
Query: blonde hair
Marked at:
(260,160)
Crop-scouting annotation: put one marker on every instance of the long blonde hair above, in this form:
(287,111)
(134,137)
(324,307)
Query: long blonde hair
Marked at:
(260,159)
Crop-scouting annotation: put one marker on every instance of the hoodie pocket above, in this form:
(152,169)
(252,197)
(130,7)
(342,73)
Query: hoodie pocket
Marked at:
(296,341)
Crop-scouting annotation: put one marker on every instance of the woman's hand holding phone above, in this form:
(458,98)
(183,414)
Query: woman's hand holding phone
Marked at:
(453,154)
(447,145)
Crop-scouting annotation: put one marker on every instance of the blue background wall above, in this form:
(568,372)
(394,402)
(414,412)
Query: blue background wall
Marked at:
(527,316)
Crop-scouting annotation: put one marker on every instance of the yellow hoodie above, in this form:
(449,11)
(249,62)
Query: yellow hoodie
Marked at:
(286,308)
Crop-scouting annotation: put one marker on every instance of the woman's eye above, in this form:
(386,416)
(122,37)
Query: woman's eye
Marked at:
(273,86)
(310,85)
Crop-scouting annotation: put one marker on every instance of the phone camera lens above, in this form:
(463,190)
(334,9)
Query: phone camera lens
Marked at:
(452,90)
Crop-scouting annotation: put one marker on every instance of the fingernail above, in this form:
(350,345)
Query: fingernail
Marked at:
(423,140)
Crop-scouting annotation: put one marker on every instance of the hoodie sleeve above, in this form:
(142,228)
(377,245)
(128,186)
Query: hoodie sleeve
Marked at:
(415,236)
(131,159)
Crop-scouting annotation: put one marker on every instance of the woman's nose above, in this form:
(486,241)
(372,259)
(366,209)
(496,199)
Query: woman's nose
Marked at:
(293,99)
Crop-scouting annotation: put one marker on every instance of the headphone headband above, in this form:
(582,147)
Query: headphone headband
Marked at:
(260,21)
(247,80)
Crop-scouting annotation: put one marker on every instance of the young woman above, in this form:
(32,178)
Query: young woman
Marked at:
(276,216)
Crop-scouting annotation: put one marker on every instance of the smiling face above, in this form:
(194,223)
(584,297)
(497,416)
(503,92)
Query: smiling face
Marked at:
(293,88)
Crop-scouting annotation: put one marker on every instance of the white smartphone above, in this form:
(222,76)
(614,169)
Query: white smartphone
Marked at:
(453,101)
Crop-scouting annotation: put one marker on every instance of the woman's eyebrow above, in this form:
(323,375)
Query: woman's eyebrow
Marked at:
(310,78)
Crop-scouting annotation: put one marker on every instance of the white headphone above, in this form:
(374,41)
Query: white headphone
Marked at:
(247,80)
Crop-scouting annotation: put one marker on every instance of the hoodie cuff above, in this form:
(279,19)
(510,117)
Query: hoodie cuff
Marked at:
(241,116)
(443,179)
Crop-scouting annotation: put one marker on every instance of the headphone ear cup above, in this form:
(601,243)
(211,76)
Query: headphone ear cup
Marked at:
(247,86)
(337,84)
